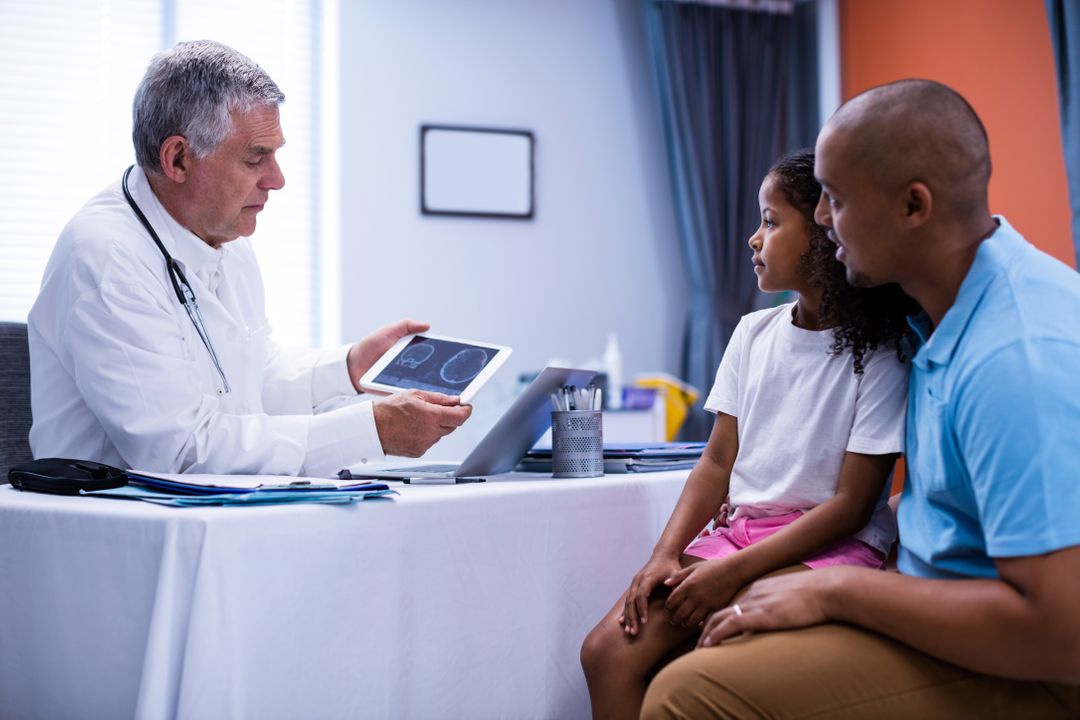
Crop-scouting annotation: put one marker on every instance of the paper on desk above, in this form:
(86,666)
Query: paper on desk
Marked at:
(256,497)
(204,484)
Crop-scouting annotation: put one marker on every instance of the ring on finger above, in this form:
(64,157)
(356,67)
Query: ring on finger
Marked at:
(738,610)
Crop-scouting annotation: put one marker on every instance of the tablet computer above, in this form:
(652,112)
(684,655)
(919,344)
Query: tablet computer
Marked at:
(434,362)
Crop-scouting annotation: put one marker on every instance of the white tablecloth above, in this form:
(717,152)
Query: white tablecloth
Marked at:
(463,601)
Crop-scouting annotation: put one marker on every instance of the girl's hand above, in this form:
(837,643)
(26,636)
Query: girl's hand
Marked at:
(636,601)
(699,590)
(721,517)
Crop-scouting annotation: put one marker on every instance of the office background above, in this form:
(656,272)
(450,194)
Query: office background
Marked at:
(344,246)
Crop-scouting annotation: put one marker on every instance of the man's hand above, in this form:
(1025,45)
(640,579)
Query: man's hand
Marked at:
(411,422)
(777,603)
(699,589)
(363,354)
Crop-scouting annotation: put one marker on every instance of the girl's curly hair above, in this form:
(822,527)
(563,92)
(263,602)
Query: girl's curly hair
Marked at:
(862,318)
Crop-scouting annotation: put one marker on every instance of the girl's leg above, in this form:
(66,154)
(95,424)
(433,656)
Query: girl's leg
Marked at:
(618,666)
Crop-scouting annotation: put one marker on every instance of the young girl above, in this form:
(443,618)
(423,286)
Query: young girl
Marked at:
(809,422)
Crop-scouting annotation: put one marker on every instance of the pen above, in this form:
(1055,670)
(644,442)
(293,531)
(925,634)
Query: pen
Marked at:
(442,480)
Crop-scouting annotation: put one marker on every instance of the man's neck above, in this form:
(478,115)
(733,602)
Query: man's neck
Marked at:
(166,193)
(939,276)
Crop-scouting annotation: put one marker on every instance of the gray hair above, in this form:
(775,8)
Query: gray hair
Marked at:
(191,90)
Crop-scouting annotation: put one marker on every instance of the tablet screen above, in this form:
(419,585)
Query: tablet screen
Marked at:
(432,364)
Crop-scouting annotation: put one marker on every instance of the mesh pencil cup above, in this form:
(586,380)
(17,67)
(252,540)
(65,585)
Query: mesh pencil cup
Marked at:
(577,444)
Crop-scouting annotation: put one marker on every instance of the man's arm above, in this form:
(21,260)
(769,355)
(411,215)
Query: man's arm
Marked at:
(298,380)
(702,587)
(1025,625)
(406,424)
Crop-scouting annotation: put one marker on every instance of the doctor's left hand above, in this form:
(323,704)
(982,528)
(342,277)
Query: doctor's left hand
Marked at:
(363,354)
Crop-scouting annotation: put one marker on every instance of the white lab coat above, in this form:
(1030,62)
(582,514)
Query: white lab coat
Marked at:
(120,376)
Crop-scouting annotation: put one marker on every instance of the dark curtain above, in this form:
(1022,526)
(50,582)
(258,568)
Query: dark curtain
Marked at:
(737,88)
(1064,16)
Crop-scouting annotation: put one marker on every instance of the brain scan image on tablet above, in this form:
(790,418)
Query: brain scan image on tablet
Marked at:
(426,362)
(464,366)
(415,356)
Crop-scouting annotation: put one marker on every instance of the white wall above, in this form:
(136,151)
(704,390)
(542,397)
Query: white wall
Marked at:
(601,253)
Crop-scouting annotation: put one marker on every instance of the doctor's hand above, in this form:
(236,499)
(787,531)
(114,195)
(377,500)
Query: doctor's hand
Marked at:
(411,422)
(363,354)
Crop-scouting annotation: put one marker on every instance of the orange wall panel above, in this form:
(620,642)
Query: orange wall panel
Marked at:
(998,55)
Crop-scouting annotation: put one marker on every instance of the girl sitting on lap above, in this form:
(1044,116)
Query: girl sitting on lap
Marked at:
(809,401)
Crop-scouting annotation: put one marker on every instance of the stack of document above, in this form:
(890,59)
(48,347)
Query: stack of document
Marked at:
(192,490)
(627,457)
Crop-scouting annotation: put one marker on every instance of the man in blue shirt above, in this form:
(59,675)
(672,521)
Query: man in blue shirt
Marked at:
(983,618)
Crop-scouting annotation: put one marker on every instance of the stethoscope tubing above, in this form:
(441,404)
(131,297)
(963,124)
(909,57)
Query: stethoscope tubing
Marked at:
(180,284)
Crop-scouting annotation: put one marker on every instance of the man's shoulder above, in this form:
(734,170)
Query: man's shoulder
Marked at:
(104,239)
(1025,330)
(1030,298)
(101,246)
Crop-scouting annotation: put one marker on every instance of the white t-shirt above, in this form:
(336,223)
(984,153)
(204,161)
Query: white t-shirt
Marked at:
(799,409)
(120,376)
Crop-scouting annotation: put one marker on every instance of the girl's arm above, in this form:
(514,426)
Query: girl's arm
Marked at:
(705,489)
(704,587)
(704,492)
(862,478)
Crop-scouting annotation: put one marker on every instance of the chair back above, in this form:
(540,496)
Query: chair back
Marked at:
(14,397)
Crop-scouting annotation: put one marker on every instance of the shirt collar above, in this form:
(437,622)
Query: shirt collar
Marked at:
(991,259)
(189,249)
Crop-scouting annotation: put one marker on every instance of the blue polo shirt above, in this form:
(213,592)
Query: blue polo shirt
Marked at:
(993,423)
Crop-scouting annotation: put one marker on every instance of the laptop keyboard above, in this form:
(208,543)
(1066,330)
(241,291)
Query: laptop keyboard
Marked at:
(427,469)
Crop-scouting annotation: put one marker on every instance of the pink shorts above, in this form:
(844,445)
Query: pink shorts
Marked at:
(746,531)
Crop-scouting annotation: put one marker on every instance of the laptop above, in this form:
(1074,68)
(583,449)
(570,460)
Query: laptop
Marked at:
(506,443)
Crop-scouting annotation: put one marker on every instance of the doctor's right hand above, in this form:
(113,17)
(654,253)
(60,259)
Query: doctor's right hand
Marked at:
(411,422)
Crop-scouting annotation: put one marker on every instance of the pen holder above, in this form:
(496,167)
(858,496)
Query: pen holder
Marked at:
(577,444)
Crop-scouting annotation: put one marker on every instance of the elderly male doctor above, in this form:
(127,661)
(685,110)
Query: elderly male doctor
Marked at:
(122,372)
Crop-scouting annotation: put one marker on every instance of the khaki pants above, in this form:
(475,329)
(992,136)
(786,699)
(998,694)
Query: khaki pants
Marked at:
(838,671)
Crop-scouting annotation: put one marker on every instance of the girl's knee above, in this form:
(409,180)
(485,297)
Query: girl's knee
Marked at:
(599,647)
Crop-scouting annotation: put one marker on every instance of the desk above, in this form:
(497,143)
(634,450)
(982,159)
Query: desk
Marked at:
(465,601)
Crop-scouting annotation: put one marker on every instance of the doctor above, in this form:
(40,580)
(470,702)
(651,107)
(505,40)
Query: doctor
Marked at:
(149,344)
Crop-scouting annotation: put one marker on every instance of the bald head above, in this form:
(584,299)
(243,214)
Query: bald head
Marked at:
(918,130)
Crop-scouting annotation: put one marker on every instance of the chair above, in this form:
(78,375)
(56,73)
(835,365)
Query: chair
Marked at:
(14,397)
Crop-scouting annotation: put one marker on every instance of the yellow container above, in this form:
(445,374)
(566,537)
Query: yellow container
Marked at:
(678,398)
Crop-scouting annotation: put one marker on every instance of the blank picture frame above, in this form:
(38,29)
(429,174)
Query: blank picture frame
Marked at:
(476,172)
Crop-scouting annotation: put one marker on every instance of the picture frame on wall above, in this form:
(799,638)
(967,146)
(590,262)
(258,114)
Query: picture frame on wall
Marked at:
(468,171)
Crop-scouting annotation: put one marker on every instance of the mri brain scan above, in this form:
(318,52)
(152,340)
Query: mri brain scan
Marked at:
(416,356)
(463,366)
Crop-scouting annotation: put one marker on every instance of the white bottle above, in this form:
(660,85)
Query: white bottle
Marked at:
(613,368)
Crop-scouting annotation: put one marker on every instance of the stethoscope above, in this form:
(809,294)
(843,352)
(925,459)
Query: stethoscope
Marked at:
(185,294)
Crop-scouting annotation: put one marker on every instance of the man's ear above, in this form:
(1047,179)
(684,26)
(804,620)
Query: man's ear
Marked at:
(175,156)
(918,204)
